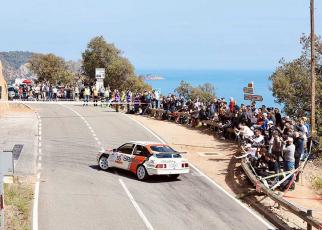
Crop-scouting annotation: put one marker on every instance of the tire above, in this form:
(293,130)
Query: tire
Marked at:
(141,173)
(174,176)
(103,163)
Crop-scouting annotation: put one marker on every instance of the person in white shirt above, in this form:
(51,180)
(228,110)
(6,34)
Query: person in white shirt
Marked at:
(244,131)
(258,139)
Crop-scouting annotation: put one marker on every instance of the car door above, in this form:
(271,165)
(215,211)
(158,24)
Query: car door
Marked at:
(139,156)
(123,156)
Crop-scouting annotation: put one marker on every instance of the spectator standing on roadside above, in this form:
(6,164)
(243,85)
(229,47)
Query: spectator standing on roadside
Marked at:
(37,91)
(278,118)
(137,103)
(231,104)
(117,99)
(102,91)
(55,91)
(95,95)
(87,93)
(157,98)
(50,92)
(288,154)
(107,96)
(128,100)
(275,145)
(43,92)
(76,90)
(20,92)
(299,149)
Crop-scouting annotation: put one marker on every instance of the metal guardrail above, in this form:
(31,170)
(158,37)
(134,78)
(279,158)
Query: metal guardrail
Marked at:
(305,215)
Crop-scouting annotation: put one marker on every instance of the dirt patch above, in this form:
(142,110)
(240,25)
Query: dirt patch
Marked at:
(6,108)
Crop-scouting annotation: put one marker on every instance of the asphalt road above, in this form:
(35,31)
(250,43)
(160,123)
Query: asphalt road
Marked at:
(74,194)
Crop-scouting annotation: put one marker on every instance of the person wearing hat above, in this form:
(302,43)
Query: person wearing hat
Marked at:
(288,154)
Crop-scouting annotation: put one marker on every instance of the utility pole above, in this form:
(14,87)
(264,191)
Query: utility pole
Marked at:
(313,79)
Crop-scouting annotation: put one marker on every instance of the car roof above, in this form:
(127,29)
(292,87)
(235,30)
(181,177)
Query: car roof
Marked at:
(145,143)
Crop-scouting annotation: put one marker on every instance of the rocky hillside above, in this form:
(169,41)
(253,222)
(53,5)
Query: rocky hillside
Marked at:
(15,64)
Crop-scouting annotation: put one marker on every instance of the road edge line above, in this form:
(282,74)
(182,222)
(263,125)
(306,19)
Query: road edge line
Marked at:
(208,178)
(37,184)
(136,206)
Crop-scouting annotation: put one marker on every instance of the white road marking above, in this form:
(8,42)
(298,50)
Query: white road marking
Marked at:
(136,206)
(36,192)
(85,121)
(208,178)
(35,207)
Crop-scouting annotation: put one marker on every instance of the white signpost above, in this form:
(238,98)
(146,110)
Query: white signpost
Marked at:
(1,201)
(99,75)
(6,169)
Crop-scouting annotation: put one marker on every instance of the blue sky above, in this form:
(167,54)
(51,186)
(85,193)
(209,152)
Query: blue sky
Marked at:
(167,34)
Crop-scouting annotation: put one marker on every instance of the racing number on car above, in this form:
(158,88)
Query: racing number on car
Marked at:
(127,158)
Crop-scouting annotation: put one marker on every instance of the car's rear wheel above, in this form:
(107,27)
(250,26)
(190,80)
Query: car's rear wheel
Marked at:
(174,176)
(141,173)
(103,163)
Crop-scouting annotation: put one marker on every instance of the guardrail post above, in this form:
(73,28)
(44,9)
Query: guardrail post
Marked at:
(309,213)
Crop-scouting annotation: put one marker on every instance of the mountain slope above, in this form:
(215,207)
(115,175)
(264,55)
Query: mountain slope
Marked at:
(15,64)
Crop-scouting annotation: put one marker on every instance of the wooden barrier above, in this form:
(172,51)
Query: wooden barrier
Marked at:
(260,187)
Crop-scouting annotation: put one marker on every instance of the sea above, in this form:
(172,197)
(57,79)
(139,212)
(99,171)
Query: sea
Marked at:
(227,83)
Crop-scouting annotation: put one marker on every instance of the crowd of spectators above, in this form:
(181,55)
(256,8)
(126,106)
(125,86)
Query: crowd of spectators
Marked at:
(273,142)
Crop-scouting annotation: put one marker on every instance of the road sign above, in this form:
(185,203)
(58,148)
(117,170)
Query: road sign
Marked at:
(252,97)
(16,151)
(248,90)
(99,73)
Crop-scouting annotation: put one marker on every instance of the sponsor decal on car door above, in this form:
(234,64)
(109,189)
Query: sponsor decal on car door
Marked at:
(123,159)
(139,156)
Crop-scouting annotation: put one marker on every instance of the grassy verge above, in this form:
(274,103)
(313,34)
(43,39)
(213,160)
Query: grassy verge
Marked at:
(18,203)
(317,184)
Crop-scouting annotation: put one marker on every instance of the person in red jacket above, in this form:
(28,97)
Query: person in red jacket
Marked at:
(231,104)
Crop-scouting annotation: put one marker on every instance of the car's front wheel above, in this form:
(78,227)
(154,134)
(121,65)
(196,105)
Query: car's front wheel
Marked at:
(103,163)
(141,173)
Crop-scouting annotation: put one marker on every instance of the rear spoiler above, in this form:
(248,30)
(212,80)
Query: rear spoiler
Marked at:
(164,153)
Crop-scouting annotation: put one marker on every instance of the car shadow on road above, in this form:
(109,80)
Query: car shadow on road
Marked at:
(130,175)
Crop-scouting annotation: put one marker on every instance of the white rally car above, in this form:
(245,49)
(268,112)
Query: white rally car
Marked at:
(144,159)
